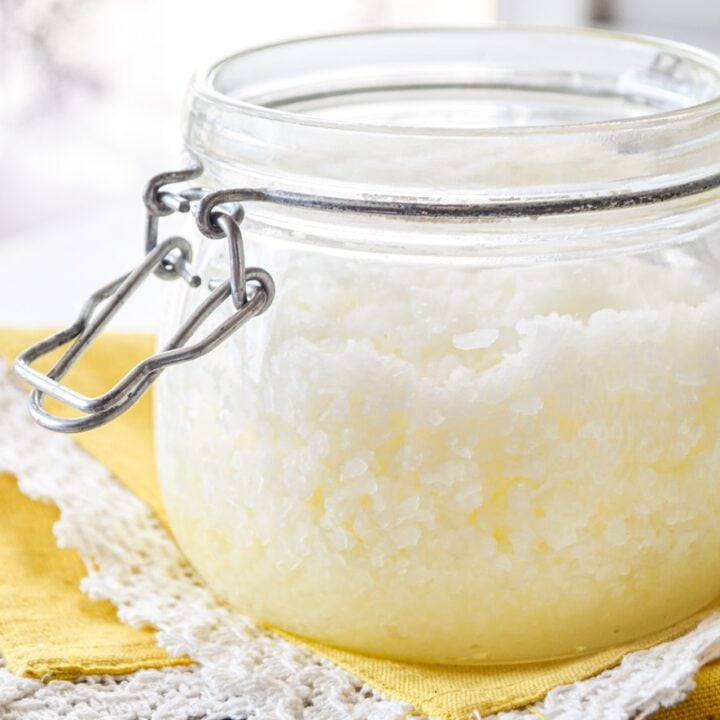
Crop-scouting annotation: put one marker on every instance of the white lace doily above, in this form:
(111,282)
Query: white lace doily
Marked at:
(242,671)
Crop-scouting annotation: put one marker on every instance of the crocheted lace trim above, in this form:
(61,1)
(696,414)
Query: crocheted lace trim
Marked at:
(242,671)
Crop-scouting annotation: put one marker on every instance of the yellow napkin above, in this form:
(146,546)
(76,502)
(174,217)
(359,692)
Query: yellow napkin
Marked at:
(126,447)
(703,704)
(48,627)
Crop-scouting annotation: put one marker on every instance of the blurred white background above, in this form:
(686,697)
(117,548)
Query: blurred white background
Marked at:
(91,101)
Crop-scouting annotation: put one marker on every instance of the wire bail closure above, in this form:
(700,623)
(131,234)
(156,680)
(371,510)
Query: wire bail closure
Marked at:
(219,214)
(250,289)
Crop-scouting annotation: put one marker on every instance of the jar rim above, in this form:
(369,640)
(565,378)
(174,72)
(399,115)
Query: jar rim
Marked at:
(658,135)
(206,79)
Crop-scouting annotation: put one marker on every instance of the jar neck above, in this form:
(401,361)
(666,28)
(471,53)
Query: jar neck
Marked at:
(460,116)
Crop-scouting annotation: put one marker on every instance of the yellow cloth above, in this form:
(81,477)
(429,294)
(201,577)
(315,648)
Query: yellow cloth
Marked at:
(703,704)
(48,627)
(126,447)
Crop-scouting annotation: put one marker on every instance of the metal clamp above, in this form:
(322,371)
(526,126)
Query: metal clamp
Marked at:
(250,289)
(219,214)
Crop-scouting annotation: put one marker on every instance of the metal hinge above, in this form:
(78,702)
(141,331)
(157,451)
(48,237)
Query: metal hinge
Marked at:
(251,291)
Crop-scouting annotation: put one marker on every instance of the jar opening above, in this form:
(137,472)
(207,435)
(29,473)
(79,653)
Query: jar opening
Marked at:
(468,80)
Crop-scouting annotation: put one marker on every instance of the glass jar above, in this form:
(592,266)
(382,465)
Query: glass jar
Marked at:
(480,421)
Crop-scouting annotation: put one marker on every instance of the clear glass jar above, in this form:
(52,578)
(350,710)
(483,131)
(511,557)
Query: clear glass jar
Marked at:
(460,439)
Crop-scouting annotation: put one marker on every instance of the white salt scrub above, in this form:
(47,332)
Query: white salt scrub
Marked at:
(480,422)
(453,464)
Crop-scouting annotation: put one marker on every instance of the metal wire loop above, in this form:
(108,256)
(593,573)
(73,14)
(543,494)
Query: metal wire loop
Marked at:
(178,264)
(160,203)
(236,254)
(99,410)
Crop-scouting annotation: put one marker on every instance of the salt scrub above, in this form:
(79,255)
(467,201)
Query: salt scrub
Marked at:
(456,464)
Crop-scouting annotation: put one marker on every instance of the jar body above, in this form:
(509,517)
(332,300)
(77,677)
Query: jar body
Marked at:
(492,440)
(456,464)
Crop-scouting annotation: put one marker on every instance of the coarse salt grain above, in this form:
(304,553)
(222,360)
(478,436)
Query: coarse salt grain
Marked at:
(353,468)
(475,340)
